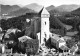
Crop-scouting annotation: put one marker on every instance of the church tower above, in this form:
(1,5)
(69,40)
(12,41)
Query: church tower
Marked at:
(44,25)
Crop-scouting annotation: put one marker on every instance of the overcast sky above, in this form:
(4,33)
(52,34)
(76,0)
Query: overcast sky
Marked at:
(40,2)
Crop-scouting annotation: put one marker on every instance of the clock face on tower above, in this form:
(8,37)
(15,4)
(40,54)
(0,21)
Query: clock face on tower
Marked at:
(45,15)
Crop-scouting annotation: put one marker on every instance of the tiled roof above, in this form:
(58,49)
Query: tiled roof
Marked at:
(64,48)
(57,38)
(23,38)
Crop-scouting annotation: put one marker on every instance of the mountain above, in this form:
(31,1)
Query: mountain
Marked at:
(20,5)
(20,12)
(76,12)
(5,9)
(62,9)
(34,7)
(67,8)
(51,7)
(14,7)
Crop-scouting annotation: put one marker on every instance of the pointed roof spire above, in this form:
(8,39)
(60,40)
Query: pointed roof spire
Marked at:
(45,11)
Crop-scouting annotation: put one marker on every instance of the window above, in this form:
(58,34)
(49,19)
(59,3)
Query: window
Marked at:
(44,39)
(45,23)
(45,34)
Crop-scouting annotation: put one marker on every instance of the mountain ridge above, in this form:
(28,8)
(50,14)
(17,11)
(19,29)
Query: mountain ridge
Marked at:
(34,6)
(5,9)
(64,8)
(51,7)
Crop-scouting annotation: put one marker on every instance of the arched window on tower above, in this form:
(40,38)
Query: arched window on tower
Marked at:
(45,34)
(45,23)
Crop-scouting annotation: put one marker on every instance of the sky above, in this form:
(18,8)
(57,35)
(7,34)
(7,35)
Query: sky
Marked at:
(44,3)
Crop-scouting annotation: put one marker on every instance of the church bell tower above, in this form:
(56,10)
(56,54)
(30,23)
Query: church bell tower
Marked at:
(44,25)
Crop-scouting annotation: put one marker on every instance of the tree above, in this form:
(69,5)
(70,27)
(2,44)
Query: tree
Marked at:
(70,43)
(3,24)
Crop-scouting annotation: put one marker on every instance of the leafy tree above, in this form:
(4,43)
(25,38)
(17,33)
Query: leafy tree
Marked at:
(70,43)
(3,24)
(53,23)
